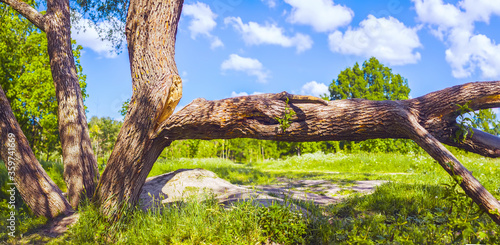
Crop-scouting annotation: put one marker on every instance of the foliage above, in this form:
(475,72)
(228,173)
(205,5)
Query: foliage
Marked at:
(373,81)
(485,120)
(287,116)
(103,133)
(245,150)
(123,111)
(112,13)
(26,78)
(465,123)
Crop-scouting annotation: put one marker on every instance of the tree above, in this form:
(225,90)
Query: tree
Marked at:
(38,191)
(26,78)
(80,171)
(103,132)
(373,81)
(149,127)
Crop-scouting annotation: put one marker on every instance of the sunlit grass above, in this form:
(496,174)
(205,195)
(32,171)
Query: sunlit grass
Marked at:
(413,207)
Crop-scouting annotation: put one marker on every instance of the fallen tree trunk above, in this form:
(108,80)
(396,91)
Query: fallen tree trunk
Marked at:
(428,120)
(38,191)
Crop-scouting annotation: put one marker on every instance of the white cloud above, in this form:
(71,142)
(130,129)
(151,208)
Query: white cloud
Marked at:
(480,10)
(202,22)
(322,15)
(385,38)
(469,52)
(270,3)
(315,89)
(255,34)
(252,67)
(234,94)
(454,25)
(86,34)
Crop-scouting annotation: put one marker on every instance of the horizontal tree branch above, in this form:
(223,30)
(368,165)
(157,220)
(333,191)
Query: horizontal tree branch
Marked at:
(28,12)
(353,119)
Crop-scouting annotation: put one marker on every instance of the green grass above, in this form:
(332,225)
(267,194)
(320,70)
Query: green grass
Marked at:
(191,222)
(416,206)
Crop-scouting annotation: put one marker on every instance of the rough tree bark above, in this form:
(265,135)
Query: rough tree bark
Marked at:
(151,30)
(80,166)
(38,191)
(428,120)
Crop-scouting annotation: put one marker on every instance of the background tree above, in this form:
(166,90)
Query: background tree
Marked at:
(80,166)
(373,81)
(103,132)
(27,80)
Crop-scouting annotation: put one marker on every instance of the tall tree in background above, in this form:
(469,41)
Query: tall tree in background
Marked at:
(373,81)
(27,80)
(103,132)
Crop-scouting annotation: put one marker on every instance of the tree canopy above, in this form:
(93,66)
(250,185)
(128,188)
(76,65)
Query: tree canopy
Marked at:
(372,81)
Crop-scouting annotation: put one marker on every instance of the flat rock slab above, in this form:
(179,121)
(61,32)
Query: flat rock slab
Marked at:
(185,183)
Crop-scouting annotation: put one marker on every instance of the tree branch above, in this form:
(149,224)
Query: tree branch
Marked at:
(450,163)
(354,119)
(28,12)
(419,119)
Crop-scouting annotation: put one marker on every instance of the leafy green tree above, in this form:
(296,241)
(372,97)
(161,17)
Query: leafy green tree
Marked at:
(372,81)
(103,133)
(486,120)
(26,78)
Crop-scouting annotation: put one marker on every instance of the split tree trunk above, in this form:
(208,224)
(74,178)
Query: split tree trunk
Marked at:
(38,191)
(80,166)
(151,30)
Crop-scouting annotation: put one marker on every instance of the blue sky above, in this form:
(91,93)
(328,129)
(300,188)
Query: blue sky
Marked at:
(227,48)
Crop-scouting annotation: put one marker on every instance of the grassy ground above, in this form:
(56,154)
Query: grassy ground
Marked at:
(421,206)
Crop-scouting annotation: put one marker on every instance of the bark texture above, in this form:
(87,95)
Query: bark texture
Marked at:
(38,191)
(80,166)
(352,119)
(428,120)
(151,29)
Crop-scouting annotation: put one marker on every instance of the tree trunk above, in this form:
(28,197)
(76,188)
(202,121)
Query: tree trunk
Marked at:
(38,191)
(426,120)
(80,167)
(151,30)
